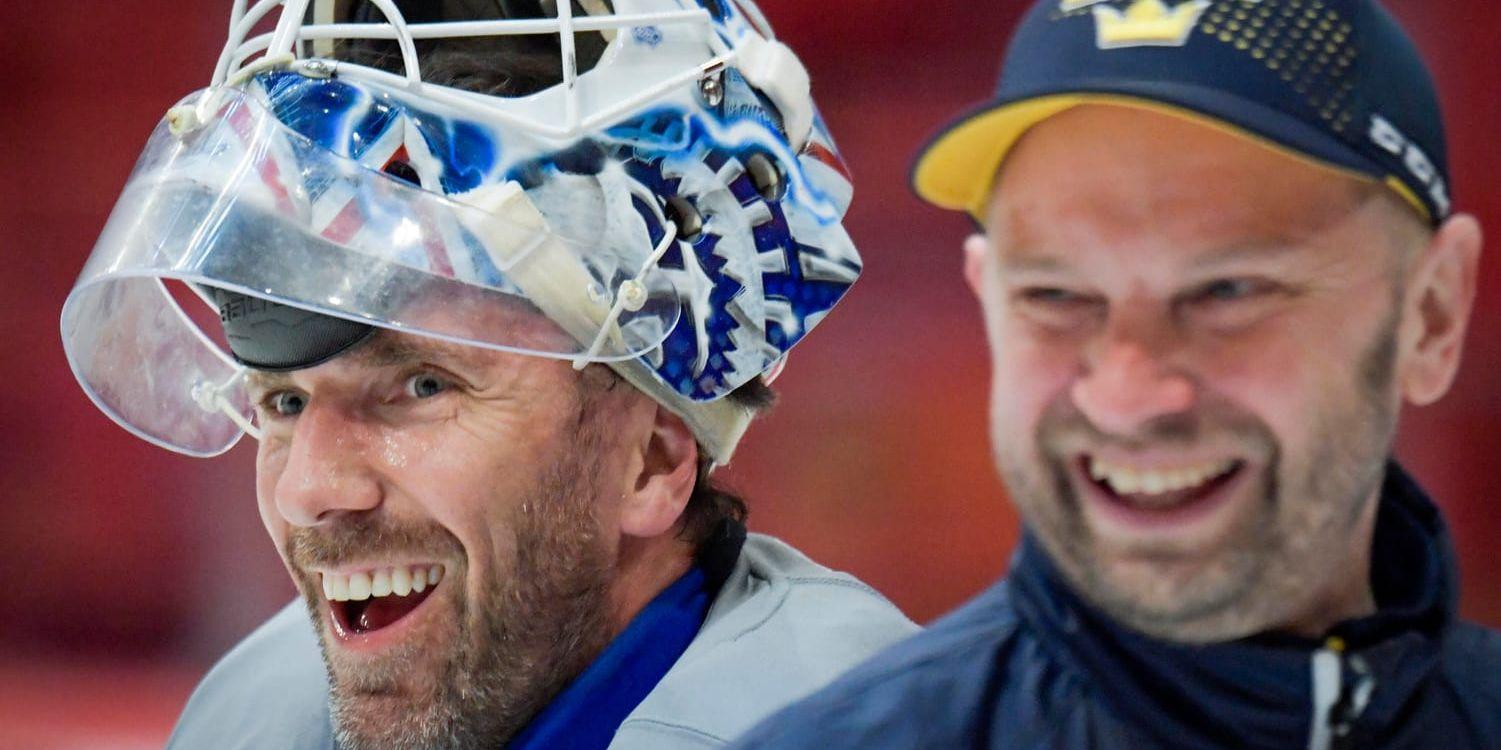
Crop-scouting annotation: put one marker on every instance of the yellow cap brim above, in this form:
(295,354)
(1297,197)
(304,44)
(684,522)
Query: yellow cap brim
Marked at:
(958,170)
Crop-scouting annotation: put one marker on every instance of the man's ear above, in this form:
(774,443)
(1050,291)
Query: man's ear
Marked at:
(981,277)
(1440,297)
(975,248)
(666,469)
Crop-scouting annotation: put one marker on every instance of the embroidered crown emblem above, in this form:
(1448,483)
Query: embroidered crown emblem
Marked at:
(1147,23)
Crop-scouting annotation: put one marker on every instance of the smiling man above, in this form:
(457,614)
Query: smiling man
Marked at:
(498,298)
(1218,256)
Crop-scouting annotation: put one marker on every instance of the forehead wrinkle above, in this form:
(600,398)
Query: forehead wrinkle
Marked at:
(1333,241)
(1320,243)
(389,349)
(1023,261)
(1015,248)
(1273,251)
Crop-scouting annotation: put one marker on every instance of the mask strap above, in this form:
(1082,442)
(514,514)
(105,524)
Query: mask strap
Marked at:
(210,398)
(630,296)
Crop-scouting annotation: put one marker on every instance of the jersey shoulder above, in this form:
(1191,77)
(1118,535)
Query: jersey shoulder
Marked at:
(270,690)
(782,627)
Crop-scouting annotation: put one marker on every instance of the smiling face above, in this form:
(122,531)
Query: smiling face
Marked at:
(477,493)
(1195,343)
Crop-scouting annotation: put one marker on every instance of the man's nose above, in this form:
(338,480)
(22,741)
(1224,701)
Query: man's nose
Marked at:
(327,473)
(1129,377)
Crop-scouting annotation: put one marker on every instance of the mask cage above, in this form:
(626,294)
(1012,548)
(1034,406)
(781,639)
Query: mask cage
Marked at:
(721,25)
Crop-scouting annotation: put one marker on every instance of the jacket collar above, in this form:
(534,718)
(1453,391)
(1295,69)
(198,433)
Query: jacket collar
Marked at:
(1259,692)
(590,709)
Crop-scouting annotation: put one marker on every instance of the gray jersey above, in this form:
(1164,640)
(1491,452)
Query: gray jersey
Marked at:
(781,627)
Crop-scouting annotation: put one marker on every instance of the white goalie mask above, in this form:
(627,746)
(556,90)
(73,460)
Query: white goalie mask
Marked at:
(673,211)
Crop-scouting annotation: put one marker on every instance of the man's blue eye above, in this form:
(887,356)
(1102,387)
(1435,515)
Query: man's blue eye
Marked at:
(1051,295)
(288,403)
(1227,290)
(426,385)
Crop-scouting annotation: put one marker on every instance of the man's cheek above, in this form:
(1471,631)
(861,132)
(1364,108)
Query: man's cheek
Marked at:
(1028,376)
(265,496)
(1281,361)
(268,469)
(1017,406)
(1273,386)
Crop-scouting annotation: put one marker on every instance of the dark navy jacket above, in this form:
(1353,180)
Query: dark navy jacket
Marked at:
(1028,665)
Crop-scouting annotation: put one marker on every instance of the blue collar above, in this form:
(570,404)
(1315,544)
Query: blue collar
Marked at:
(1257,692)
(586,714)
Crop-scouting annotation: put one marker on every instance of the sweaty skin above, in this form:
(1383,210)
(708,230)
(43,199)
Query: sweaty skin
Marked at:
(1171,305)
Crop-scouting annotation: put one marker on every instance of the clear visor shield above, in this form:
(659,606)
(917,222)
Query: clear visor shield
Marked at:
(239,202)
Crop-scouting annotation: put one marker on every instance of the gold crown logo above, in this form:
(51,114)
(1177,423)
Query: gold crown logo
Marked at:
(1147,23)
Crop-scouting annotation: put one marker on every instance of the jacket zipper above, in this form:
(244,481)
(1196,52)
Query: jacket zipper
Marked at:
(1337,702)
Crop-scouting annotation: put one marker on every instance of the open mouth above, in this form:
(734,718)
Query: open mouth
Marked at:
(371,600)
(1159,490)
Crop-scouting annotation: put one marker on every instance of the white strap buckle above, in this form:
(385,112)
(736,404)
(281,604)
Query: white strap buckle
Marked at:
(631,295)
(210,398)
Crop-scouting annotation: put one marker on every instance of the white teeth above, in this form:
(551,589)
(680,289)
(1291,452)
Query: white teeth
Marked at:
(1096,469)
(380,582)
(1128,481)
(338,586)
(359,587)
(1153,483)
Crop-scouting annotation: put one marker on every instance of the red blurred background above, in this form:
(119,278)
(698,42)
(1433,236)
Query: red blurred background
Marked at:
(133,568)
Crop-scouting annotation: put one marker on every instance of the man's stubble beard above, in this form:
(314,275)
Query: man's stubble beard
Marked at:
(542,622)
(1279,558)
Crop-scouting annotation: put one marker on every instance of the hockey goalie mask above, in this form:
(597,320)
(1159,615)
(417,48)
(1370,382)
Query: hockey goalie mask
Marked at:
(673,212)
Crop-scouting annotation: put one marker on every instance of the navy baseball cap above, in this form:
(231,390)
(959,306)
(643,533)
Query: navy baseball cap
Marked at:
(1334,82)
